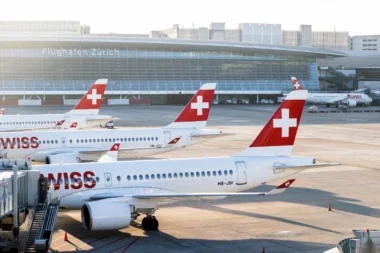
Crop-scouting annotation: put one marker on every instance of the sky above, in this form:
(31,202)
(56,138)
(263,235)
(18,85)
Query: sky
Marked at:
(142,16)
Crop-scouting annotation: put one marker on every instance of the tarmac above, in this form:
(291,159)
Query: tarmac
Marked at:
(295,221)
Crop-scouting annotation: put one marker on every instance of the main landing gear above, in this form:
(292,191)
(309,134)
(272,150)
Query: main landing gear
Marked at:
(150,223)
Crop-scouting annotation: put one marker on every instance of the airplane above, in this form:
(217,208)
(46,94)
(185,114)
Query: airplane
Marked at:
(333,99)
(88,145)
(111,195)
(85,113)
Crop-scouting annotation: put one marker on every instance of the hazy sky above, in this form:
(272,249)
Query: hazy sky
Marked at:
(358,17)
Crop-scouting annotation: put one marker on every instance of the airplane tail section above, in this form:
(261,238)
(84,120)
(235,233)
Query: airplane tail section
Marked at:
(296,84)
(111,155)
(279,134)
(195,114)
(1,111)
(92,100)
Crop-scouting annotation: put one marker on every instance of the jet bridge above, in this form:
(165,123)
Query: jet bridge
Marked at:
(28,200)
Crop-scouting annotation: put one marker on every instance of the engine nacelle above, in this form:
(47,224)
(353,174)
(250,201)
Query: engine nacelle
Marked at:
(351,102)
(62,158)
(108,214)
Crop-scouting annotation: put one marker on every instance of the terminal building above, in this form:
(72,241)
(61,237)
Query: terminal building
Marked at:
(51,68)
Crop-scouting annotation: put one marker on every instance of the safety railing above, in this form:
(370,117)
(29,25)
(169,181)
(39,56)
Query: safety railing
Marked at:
(44,210)
(29,224)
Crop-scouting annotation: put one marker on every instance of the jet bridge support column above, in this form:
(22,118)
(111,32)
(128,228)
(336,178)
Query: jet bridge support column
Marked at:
(16,228)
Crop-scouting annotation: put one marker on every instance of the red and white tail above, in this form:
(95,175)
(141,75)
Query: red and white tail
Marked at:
(278,135)
(111,155)
(195,114)
(1,111)
(74,125)
(296,84)
(92,100)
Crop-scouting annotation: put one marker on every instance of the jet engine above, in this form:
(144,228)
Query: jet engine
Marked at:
(108,214)
(351,102)
(62,158)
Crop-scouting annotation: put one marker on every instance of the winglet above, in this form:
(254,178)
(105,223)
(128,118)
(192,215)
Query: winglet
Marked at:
(60,123)
(175,140)
(92,100)
(296,84)
(111,155)
(278,135)
(281,188)
(196,112)
(74,125)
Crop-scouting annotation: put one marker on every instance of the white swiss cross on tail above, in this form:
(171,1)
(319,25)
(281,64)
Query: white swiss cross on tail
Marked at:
(200,105)
(279,134)
(285,123)
(195,114)
(94,97)
(296,84)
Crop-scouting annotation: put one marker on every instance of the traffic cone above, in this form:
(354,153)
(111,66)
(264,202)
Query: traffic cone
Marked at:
(329,206)
(263,250)
(66,239)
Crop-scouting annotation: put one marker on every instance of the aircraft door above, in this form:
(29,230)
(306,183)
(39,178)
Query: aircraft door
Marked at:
(63,141)
(241,173)
(66,124)
(107,179)
(167,137)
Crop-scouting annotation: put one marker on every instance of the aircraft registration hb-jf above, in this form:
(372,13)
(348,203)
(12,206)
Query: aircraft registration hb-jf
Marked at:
(111,195)
(333,99)
(84,114)
(88,145)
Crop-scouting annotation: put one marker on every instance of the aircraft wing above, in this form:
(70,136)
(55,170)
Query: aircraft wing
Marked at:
(281,167)
(279,189)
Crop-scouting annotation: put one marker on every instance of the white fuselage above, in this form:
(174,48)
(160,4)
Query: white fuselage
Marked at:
(38,121)
(324,98)
(136,142)
(74,184)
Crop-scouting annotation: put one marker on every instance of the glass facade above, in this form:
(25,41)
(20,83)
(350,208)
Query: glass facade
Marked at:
(149,69)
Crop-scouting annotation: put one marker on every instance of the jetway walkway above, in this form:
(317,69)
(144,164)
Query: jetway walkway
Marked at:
(32,194)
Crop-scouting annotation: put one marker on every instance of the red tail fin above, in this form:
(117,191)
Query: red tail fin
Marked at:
(279,134)
(197,110)
(296,84)
(1,111)
(92,100)
(74,125)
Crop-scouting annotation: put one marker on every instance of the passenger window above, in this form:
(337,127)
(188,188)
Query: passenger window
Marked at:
(81,141)
(56,142)
(148,138)
(89,140)
(192,174)
(214,173)
(144,139)
(225,173)
(97,179)
(133,139)
(175,175)
(164,176)
(134,177)
(117,139)
(197,174)
(208,173)
(169,175)
(129,139)
(43,142)
(101,140)
(186,174)
(118,178)
(147,177)
(85,140)
(156,138)
(141,177)
(94,140)
(98,140)
(158,176)
(219,173)
(129,178)
(203,173)
(152,176)
(110,139)
(77,141)
(180,175)
(48,142)
(231,172)
(140,139)
(114,139)
(105,140)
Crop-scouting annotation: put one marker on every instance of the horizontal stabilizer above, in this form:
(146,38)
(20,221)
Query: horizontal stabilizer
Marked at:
(210,136)
(279,189)
(278,166)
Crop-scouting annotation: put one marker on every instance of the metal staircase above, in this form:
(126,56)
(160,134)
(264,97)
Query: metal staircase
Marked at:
(42,227)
